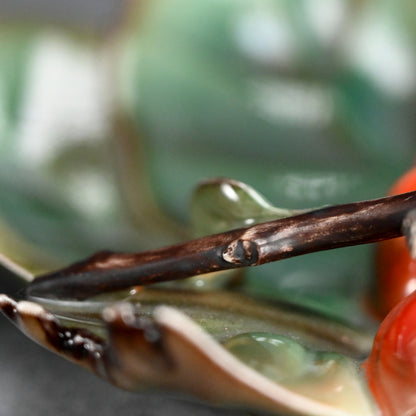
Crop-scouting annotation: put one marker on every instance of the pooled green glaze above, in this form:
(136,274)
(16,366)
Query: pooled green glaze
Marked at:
(223,204)
(326,377)
(277,357)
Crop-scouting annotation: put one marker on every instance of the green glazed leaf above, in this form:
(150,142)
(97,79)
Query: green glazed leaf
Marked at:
(158,338)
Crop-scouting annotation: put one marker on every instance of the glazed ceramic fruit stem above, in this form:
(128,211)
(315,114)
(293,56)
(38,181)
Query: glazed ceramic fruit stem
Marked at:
(322,229)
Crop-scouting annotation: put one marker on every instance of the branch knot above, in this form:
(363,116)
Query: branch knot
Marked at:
(241,252)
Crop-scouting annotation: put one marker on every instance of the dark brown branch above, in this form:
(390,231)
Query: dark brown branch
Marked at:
(323,229)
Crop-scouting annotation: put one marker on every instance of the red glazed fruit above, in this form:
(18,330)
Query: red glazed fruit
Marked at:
(396,269)
(391,367)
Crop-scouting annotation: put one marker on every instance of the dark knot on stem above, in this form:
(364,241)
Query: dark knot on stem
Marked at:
(241,252)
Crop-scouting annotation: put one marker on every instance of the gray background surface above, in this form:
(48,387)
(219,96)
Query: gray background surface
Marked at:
(92,13)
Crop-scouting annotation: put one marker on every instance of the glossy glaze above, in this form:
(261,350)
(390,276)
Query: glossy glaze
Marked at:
(396,269)
(391,367)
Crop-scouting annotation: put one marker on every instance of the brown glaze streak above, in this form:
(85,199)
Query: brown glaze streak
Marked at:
(9,308)
(77,344)
(323,229)
(135,344)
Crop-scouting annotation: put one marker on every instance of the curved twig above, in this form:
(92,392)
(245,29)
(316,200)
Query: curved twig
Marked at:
(322,229)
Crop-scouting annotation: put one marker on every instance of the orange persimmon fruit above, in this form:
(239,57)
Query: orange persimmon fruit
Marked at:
(396,270)
(391,368)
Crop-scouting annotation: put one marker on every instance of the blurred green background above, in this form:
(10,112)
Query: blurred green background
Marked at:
(105,130)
